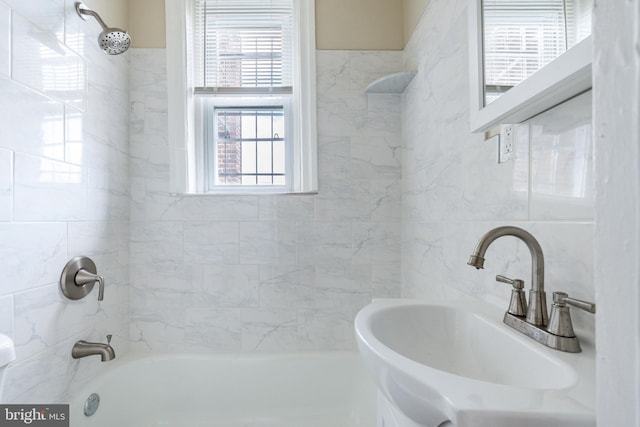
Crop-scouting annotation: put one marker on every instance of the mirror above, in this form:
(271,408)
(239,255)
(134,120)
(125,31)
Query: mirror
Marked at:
(522,36)
(524,52)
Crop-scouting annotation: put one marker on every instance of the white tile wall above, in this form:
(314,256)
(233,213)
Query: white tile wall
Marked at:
(454,191)
(6,185)
(269,273)
(64,192)
(84,169)
(41,61)
(5,37)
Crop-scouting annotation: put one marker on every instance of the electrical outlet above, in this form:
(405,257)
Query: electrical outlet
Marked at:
(506,144)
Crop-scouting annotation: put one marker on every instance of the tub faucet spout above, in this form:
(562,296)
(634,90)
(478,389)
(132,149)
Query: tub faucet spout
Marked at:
(537,307)
(84,348)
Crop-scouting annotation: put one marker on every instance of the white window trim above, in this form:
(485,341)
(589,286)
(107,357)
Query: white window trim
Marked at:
(182,120)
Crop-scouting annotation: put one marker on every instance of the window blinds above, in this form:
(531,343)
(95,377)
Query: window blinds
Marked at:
(520,37)
(243,45)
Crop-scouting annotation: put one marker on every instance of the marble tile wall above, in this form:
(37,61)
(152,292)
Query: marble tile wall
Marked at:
(64,192)
(454,191)
(268,273)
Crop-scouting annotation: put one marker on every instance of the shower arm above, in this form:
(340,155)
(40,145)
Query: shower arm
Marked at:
(82,10)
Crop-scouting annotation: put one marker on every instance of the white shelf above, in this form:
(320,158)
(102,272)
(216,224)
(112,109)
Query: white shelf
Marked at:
(393,83)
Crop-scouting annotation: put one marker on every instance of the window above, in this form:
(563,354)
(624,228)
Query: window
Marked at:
(247,146)
(250,96)
(520,37)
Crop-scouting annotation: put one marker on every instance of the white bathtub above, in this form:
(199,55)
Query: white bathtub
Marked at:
(178,390)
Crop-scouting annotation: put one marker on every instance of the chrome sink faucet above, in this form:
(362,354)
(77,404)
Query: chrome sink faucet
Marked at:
(84,348)
(557,333)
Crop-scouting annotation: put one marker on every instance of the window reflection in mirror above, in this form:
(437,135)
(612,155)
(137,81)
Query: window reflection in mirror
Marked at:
(522,36)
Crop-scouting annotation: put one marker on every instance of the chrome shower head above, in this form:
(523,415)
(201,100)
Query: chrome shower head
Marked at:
(113,41)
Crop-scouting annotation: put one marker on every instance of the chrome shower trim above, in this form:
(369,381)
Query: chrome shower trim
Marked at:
(113,41)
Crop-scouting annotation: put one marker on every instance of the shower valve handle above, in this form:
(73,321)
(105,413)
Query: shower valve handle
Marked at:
(84,277)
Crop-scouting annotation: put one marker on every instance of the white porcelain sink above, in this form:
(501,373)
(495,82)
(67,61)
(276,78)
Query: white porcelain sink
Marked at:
(439,362)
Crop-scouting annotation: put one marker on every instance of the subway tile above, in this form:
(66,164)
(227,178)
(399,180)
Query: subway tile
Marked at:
(157,330)
(44,318)
(376,243)
(41,130)
(99,240)
(211,242)
(230,208)
(334,157)
(503,191)
(42,378)
(216,329)
(5,40)
(326,329)
(284,208)
(165,284)
(343,200)
(386,281)
(6,315)
(42,62)
(230,286)
(562,162)
(333,71)
(367,66)
(47,15)
(286,286)
(324,243)
(266,329)
(376,157)
(157,242)
(6,185)
(386,200)
(48,190)
(384,116)
(343,286)
(267,242)
(156,204)
(342,115)
(44,245)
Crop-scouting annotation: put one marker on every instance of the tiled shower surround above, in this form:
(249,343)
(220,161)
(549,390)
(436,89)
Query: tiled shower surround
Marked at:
(64,192)
(268,273)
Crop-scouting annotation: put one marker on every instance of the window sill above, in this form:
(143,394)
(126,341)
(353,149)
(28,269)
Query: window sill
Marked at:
(237,194)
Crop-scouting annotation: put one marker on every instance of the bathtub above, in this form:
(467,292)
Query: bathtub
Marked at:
(195,390)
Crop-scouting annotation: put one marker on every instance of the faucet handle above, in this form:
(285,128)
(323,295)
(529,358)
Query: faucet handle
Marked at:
(517,283)
(562,298)
(518,303)
(560,320)
(109,339)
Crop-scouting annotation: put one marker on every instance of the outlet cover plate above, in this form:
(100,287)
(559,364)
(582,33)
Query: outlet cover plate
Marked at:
(506,143)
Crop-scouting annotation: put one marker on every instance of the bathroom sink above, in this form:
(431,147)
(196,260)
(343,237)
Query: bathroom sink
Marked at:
(439,362)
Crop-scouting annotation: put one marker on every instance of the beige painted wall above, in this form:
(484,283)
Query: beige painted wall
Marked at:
(340,24)
(146,23)
(413,11)
(359,24)
(114,13)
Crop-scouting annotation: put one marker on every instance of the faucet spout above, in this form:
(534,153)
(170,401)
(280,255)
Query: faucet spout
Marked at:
(84,348)
(537,309)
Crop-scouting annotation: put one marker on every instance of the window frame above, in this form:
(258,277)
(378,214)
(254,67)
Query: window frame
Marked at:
(184,121)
